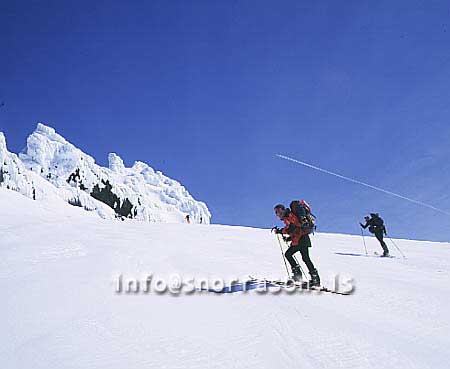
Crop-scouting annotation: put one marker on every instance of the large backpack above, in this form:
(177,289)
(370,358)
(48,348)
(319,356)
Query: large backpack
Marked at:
(302,211)
(377,221)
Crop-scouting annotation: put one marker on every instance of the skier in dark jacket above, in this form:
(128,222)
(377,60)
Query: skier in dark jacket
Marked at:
(376,226)
(300,242)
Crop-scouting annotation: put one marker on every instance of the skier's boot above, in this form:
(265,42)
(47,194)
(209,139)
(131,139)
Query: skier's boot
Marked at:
(385,254)
(297,273)
(315,279)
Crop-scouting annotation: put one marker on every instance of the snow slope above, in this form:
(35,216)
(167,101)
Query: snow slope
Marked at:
(138,192)
(60,310)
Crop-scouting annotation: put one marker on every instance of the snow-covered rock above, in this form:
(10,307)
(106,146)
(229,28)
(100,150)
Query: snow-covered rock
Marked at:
(13,174)
(116,163)
(138,192)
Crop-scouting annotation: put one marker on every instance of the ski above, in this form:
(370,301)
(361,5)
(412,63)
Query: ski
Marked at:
(374,255)
(302,285)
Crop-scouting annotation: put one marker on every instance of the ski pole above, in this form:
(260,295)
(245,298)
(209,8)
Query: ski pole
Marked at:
(282,254)
(398,248)
(364,240)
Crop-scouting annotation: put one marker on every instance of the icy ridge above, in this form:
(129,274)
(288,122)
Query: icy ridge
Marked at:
(138,192)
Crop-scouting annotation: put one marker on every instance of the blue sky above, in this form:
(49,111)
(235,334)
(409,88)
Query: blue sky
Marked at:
(209,91)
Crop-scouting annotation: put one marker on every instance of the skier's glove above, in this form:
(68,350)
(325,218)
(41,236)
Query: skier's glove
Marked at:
(276,230)
(287,239)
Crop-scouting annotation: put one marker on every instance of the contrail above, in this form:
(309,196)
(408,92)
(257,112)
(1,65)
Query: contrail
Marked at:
(364,184)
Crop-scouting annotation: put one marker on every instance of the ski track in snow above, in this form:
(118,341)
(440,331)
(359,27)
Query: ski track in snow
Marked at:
(60,311)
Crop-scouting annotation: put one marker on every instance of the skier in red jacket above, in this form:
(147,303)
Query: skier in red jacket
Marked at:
(300,242)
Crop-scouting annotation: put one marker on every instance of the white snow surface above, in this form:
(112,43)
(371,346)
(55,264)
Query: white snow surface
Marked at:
(72,174)
(59,308)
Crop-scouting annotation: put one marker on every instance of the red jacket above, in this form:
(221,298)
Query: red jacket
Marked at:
(292,228)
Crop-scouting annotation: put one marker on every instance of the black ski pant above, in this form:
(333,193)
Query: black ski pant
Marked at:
(303,246)
(379,236)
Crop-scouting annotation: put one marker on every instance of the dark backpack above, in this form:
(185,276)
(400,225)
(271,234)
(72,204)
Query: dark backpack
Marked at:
(302,211)
(377,221)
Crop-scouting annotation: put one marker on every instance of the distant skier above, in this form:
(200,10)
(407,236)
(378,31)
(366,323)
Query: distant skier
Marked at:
(300,242)
(377,227)
(188,219)
(201,220)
